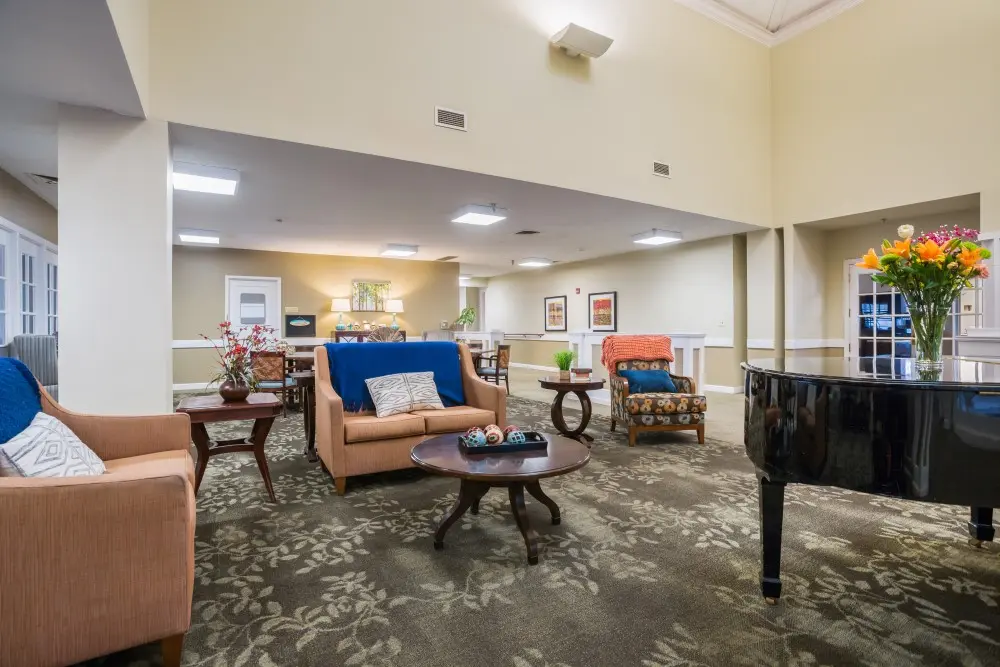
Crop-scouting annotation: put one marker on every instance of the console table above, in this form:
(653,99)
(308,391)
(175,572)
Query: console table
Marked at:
(357,336)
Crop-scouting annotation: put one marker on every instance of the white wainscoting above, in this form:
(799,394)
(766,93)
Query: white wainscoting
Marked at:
(489,339)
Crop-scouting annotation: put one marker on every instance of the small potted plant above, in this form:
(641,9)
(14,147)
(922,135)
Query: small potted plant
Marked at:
(466,317)
(235,373)
(564,359)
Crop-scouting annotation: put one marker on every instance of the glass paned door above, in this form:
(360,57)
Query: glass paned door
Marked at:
(52,297)
(879,321)
(28,289)
(3,289)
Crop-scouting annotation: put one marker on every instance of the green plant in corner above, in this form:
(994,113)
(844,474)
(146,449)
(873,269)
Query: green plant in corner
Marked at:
(564,359)
(467,316)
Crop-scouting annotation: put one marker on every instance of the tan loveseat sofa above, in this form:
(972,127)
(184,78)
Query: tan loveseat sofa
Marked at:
(359,443)
(98,564)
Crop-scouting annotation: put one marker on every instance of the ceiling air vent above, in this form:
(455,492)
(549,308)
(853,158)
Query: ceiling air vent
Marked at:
(661,169)
(450,118)
(525,232)
(42,179)
(446,258)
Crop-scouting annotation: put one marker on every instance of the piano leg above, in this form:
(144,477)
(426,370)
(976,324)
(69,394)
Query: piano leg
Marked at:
(981,526)
(772,499)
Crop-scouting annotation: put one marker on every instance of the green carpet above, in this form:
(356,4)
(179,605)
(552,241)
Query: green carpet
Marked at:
(655,564)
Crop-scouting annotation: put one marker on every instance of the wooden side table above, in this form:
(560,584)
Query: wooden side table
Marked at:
(580,388)
(262,408)
(306,381)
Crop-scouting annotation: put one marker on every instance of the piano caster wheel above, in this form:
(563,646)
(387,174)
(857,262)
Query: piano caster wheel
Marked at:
(978,544)
(771,601)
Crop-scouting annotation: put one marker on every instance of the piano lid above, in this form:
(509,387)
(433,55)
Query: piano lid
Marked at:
(958,372)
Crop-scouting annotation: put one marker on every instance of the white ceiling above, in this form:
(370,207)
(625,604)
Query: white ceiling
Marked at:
(770,21)
(52,52)
(341,203)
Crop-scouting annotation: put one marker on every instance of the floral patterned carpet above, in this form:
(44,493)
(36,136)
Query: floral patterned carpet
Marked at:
(655,563)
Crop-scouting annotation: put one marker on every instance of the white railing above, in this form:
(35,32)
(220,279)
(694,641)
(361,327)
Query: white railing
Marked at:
(691,361)
(489,339)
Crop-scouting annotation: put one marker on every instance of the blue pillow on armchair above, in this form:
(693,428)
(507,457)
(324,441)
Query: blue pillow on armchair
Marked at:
(20,400)
(645,382)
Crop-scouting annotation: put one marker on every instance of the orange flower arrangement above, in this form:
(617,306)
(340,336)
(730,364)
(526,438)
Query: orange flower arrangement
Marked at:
(930,272)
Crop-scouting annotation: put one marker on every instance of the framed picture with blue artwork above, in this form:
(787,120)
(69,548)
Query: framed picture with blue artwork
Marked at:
(300,326)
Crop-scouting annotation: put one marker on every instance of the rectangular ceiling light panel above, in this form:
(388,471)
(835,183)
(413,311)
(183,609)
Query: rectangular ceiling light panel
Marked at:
(477,214)
(201,178)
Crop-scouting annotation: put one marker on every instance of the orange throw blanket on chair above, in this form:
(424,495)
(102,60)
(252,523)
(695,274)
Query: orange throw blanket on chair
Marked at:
(625,348)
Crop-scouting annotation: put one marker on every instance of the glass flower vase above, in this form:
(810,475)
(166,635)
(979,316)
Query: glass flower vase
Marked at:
(929,318)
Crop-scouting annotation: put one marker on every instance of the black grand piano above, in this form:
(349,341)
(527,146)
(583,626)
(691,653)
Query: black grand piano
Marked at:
(872,425)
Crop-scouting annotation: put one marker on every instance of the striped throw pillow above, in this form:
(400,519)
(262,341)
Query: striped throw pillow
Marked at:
(404,392)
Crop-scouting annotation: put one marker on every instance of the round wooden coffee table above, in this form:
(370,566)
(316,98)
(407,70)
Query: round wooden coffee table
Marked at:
(519,472)
(578,387)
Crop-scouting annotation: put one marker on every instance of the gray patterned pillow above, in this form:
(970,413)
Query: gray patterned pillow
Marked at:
(404,392)
(47,448)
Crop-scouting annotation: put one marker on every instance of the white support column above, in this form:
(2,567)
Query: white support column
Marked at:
(115,248)
(765,292)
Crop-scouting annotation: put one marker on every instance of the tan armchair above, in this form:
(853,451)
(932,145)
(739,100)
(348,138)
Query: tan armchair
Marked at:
(351,444)
(94,565)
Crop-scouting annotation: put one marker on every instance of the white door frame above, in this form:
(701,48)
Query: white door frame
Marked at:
(270,279)
(850,298)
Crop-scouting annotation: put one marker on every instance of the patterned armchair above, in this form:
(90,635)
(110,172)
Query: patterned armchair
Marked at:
(660,411)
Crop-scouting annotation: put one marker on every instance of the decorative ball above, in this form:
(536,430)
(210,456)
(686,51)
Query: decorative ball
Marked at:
(494,436)
(510,429)
(475,437)
(516,438)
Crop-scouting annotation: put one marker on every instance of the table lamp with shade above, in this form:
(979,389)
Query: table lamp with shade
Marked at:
(341,306)
(394,306)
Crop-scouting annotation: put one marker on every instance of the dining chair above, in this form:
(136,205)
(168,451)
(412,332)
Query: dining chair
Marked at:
(269,370)
(499,364)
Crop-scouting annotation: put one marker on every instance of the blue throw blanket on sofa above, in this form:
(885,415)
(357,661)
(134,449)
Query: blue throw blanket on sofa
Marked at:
(353,363)
(20,399)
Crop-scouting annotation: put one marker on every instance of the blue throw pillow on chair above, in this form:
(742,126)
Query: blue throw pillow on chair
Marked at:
(645,382)
(20,399)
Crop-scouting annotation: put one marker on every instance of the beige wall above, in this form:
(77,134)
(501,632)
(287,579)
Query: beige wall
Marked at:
(131,19)
(692,287)
(765,291)
(535,352)
(366,76)
(429,291)
(804,260)
(25,209)
(890,103)
(740,296)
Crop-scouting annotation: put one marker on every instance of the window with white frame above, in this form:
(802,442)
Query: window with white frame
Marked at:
(5,238)
(51,293)
(29,287)
(28,283)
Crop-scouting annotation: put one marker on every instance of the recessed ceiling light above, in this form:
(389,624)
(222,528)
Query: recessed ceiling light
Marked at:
(200,178)
(656,237)
(533,262)
(194,236)
(477,214)
(398,250)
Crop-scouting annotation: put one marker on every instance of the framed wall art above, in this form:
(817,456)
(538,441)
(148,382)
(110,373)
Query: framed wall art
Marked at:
(300,326)
(603,311)
(369,296)
(555,313)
